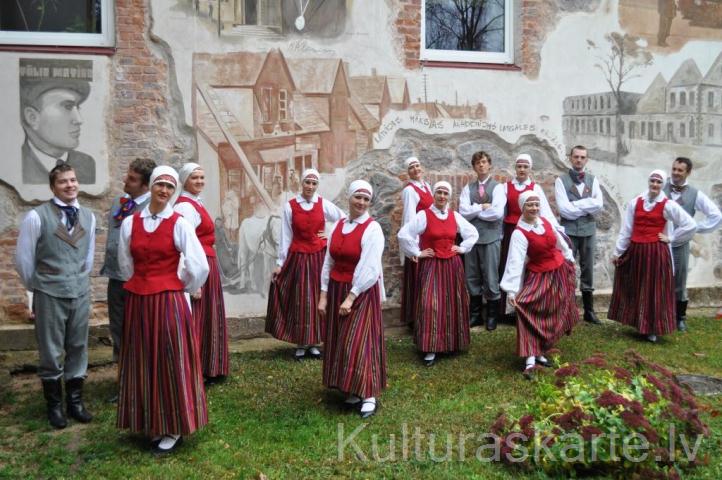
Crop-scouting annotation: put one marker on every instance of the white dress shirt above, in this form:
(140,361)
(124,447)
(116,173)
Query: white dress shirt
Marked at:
(188,211)
(193,265)
(680,226)
(544,209)
(471,211)
(703,204)
(513,277)
(409,234)
(574,209)
(30,231)
(369,269)
(331,213)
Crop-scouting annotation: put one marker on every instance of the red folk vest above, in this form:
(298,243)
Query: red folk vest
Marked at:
(513,212)
(205,231)
(345,249)
(155,258)
(439,234)
(305,225)
(646,224)
(542,250)
(426,199)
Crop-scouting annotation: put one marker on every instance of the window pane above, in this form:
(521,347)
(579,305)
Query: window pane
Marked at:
(65,16)
(471,25)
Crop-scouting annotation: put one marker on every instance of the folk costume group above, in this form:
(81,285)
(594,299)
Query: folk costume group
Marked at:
(503,249)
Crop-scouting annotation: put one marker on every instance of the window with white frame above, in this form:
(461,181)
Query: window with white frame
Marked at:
(476,31)
(72,23)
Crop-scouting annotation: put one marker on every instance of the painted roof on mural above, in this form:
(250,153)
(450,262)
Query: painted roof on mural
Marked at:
(306,116)
(369,89)
(714,75)
(687,74)
(365,118)
(314,75)
(233,69)
(654,99)
(397,87)
(242,108)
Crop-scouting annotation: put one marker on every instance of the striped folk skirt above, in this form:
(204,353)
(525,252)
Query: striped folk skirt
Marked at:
(209,314)
(505,242)
(546,309)
(354,357)
(643,294)
(292,312)
(161,382)
(409,292)
(442,306)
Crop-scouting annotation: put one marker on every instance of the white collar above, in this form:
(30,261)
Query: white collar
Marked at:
(419,183)
(488,177)
(525,182)
(360,219)
(528,226)
(672,184)
(166,213)
(140,198)
(74,203)
(661,196)
(301,199)
(186,193)
(440,212)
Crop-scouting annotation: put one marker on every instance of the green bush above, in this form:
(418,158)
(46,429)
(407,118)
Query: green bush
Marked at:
(593,418)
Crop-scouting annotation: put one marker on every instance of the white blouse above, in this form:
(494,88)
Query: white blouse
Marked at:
(710,210)
(409,234)
(544,209)
(188,211)
(471,211)
(574,209)
(513,277)
(411,199)
(193,266)
(680,227)
(331,213)
(369,269)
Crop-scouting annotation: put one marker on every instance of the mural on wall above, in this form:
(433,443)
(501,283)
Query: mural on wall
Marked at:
(671,23)
(57,118)
(272,18)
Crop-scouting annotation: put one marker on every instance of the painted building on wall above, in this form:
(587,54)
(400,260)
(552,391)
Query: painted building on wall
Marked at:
(256,91)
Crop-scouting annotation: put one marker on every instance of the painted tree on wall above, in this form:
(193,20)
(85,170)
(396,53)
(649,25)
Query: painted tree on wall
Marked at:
(619,63)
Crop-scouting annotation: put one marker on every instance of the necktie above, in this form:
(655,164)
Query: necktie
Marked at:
(580,176)
(71,214)
(482,191)
(577,177)
(678,188)
(127,205)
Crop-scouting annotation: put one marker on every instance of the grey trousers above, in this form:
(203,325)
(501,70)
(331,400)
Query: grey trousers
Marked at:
(116,312)
(61,329)
(481,267)
(680,256)
(584,248)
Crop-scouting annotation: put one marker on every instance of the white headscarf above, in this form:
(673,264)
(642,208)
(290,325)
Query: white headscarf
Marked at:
(525,196)
(659,173)
(410,161)
(164,174)
(443,185)
(311,172)
(186,171)
(360,186)
(524,158)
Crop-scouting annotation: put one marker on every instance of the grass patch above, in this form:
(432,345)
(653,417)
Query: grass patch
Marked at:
(273,416)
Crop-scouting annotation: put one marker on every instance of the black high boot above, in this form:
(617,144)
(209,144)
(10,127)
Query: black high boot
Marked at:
(74,399)
(682,316)
(475,310)
(492,312)
(589,315)
(53,393)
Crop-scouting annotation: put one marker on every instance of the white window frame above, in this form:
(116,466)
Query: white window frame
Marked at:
(505,57)
(105,39)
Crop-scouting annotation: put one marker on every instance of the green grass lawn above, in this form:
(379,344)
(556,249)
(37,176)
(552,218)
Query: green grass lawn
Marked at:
(274,418)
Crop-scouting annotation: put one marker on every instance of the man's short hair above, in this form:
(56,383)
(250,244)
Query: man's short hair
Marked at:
(143,167)
(57,170)
(686,161)
(577,147)
(477,156)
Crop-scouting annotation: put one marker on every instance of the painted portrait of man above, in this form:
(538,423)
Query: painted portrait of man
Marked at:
(51,95)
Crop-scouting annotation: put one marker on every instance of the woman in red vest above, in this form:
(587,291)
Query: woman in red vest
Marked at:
(542,290)
(521,183)
(161,380)
(643,293)
(292,314)
(416,196)
(209,311)
(352,290)
(442,321)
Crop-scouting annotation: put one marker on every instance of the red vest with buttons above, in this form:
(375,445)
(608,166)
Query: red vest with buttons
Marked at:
(439,234)
(205,231)
(155,258)
(513,212)
(542,250)
(306,225)
(646,224)
(345,249)
(425,197)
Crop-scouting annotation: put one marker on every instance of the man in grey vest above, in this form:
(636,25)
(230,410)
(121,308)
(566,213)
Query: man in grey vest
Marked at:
(482,204)
(692,201)
(137,196)
(579,198)
(54,257)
